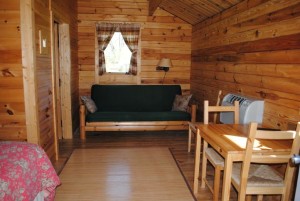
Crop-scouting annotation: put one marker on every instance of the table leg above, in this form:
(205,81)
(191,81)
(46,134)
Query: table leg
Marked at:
(197,161)
(227,178)
(204,165)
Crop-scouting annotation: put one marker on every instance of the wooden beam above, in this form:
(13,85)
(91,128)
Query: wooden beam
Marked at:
(65,62)
(153,4)
(29,70)
(55,86)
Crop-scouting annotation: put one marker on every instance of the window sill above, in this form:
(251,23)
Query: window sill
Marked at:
(117,78)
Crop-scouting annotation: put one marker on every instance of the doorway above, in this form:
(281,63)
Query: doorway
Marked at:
(61,71)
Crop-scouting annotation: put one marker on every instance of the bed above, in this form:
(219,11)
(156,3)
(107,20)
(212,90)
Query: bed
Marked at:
(26,173)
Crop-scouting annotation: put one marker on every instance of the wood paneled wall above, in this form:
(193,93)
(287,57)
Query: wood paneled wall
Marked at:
(65,11)
(12,98)
(12,109)
(252,49)
(44,77)
(162,35)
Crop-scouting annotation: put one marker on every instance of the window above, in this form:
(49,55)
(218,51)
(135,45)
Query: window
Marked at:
(117,48)
(117,55)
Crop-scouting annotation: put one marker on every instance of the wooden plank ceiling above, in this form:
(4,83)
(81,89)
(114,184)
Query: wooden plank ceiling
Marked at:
(192,11)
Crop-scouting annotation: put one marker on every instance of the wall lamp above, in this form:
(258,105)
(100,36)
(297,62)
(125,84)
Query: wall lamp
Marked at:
(164,64)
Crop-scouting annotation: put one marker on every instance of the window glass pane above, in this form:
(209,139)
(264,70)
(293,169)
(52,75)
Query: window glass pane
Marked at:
(117,55)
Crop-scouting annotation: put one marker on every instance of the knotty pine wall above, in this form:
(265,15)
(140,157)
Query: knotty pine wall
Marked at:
(12,112)
(65,11)
(252,49)
(44,78)
(162,35)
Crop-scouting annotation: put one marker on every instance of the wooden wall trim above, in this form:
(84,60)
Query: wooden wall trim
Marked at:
(96,57)
(65,65)
(55,80)
(29,71)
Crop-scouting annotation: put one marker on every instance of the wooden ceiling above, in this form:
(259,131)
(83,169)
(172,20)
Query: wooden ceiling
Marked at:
(192,11)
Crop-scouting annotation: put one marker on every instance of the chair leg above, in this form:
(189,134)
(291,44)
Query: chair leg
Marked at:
(204,165)
(197,161)
(288,177)
(248,197)
(241,197)
(190,140)
(259,197)
(217,183)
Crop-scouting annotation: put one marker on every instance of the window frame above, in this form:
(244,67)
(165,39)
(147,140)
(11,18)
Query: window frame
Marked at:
(120,78)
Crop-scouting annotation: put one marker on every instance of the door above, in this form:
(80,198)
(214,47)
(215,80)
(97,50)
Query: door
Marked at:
(57,83)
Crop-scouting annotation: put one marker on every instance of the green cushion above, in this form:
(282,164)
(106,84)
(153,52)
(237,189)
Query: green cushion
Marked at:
(134,98)
(138,116)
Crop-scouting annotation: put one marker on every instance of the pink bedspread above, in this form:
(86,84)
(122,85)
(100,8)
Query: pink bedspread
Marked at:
(25,170)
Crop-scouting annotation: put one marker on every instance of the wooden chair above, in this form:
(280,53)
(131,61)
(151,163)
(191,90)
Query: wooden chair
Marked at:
(192,129)
(252,178)
(210,154)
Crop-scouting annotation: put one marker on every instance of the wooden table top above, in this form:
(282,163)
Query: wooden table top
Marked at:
(232,138)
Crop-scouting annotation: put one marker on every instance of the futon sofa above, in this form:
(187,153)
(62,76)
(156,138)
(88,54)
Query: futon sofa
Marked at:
(135,108)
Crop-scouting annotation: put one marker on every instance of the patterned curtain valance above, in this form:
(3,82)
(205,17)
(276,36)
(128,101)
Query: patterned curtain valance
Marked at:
(130,33)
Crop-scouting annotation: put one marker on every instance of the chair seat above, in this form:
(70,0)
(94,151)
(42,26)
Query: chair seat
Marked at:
(259,175)
(214,157)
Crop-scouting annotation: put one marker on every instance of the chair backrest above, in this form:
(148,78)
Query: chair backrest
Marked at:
(217,109)
(218,103)
(254,134)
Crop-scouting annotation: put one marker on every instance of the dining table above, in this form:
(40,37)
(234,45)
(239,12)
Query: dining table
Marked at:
(229,140)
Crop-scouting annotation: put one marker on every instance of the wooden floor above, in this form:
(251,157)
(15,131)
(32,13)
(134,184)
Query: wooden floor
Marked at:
(175,140)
